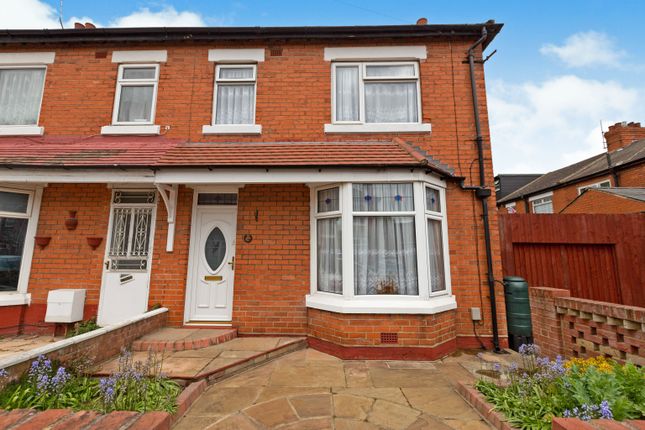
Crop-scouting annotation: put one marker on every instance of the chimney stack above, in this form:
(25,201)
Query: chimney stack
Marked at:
(622,134)
(422,21)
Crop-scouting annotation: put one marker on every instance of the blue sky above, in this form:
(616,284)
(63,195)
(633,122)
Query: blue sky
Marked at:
(561,66)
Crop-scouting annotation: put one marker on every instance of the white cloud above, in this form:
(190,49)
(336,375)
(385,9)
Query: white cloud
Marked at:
(544,126)
(586,49)
(166,17)
(37,14)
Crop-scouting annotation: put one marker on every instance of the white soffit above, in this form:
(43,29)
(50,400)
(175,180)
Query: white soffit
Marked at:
(26,58)
(236,55)
(159,56)
(404,52)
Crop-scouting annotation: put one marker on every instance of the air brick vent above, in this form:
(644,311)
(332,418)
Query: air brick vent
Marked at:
(275,51)
(389,338)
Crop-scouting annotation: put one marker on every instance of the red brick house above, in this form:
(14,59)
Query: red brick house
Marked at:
(622,166)
(300,181)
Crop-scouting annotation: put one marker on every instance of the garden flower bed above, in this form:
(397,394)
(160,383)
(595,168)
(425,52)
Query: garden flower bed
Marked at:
(530,396)
(136,386)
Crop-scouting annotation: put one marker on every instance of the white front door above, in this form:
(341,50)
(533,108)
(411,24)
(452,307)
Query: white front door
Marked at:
(126,269)
(212,262)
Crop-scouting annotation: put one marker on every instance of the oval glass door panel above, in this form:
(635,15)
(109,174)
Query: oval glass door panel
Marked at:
(215,249)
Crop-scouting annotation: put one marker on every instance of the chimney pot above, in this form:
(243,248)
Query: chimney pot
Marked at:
(89,25)
(422,21)
(78,26)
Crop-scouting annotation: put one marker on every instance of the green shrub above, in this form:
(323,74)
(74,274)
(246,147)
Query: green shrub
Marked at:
(586,389)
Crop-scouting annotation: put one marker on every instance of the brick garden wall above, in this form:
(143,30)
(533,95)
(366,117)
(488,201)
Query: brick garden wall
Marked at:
(576,327)
(293,104)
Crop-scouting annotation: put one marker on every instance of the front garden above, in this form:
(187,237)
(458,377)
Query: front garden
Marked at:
(530,395)
(136,386)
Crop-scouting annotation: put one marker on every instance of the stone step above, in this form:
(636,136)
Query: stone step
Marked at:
(182,339)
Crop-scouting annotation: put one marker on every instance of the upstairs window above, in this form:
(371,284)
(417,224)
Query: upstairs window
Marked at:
(136,94)
(21,93)
(235,94)
(602,184)
(376,93)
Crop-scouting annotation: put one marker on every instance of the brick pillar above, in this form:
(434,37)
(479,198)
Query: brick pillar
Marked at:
(547,329)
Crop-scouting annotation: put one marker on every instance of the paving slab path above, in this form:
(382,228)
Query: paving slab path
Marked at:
(311,390)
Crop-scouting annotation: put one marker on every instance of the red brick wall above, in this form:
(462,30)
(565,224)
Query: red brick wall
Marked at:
(577,327)
(597,202)
(272,271)
(619,135)
(293,104)
(565,195)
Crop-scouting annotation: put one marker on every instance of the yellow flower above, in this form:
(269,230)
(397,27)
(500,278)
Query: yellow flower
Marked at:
(599,362)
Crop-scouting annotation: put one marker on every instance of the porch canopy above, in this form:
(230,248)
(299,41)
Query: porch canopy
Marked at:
(165,163)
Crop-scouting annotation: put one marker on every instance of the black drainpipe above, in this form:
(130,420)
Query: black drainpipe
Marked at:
(482,192)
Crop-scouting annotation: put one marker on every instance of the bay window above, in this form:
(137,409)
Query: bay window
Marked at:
(18,216)
(379,247)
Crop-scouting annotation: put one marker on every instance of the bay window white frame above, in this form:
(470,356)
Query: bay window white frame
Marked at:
(26,129)
(32,213)
(121,82)
(425,302)
(362,78)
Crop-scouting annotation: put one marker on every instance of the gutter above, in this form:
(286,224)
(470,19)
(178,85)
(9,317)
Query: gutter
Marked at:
(482,192)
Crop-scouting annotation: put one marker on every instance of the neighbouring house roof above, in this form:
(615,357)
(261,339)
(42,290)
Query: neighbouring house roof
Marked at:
(634,152)
(278,34)
(627,192)
(506,183)
(158,151)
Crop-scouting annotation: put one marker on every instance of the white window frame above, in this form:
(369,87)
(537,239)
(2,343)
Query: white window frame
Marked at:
(20,296)
(120,83)
(349,302)
(362,74)
(534,199)
(26,129)
(594,185)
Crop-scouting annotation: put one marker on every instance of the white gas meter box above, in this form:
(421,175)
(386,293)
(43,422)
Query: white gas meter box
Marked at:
(65,306)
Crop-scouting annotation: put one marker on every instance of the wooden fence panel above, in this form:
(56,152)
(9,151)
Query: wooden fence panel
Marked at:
(594,256)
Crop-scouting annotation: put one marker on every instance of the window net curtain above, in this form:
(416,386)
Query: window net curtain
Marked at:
(135,104)
(391,102)
(385,255)
(347,94)
(330,257)
(20,94)
(385,252)
(435,251)
(234,104)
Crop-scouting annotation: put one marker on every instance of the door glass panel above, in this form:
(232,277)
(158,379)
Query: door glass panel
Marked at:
(12,240)
(215,249)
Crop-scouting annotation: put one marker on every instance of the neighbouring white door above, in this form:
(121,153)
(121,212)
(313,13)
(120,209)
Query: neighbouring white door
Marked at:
(126,270)
(212,258)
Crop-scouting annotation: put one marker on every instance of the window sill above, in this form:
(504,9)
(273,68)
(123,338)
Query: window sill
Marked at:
(341,305)
(378,128)
(14,299)
(21,130)
(232,129)
(130,129)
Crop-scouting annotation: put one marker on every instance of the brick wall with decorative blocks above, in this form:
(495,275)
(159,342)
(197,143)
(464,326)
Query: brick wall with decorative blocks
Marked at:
(585,328)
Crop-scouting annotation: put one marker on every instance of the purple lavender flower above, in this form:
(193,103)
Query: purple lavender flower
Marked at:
(107,388)
(4,373)
(497,367)
(529,349)
(605,411)
(566,413)
(59,379)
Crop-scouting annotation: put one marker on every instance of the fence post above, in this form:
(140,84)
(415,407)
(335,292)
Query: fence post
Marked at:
(547,323)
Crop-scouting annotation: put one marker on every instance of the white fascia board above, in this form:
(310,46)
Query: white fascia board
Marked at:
(287,175)
(236,55)
(21,130)
(539,196)
(232,129)
(130,129)
(379,128)
(10,58)
(157,56)
(78,176)
(403,52)
(387,305)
